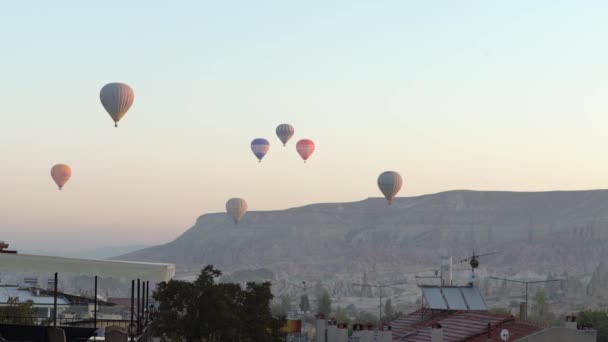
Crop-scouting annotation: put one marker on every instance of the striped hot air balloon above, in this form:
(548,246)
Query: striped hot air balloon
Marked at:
(285,132)
(305,148)
(116,98)
(61,173)
(236,208)
(260,147)
(390,183)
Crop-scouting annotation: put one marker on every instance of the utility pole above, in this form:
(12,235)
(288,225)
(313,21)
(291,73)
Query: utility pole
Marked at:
(380,287)
(526,283)
(304,287)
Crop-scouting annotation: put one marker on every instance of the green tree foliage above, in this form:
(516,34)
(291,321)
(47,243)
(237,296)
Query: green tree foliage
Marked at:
(286,303)
(282,306)
(540,310)
(341,315)
(599,320)
(541,307)
(207,311)
(17,312)
(389,311)
(365,317)
(304,303)
(324,303)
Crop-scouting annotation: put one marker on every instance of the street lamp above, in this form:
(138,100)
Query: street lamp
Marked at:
(526,282)
(132,330)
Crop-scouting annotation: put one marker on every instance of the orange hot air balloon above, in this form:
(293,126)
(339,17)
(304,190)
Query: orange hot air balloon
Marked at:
(61,174)
(305,148)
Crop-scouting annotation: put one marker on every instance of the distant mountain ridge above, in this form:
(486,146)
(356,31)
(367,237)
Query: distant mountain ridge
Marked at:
(561,230)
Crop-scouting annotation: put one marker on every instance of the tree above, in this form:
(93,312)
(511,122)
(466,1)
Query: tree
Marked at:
(599,320)
(541,307)
(324,304)
(17,312)
(366,290)
(342,315)
(286,303)
(282,306)
(304,303)
(389,311)
(207,311)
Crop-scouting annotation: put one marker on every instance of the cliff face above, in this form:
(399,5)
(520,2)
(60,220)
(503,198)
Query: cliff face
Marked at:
(562,231)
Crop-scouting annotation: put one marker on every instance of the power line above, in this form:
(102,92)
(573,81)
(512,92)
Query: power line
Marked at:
(381,286)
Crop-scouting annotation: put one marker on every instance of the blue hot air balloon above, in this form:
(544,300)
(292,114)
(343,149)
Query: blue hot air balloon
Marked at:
(260,147)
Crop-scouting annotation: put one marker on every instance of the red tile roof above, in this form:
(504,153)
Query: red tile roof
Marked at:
(459,326)
(126,302)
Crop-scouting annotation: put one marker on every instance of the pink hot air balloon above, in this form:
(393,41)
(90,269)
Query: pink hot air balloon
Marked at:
(305,148)
(236,208)
(61,174)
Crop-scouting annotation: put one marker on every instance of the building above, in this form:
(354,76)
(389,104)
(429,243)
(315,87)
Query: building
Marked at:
(42,303)
(24,263)
(453,314)
(459,313)
(68,305)
(461,325)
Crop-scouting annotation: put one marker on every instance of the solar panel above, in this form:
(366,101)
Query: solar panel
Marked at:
(434,298)
(454,298)
(474,298)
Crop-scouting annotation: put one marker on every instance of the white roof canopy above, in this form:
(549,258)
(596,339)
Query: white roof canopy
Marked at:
(103,268)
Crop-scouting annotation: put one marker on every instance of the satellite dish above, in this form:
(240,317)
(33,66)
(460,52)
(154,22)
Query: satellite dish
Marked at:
(504,335)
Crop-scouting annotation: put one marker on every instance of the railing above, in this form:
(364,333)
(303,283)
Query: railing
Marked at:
(143,334)
(72,322)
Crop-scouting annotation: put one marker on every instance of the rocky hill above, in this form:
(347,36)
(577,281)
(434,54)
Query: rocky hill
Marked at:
(537,231)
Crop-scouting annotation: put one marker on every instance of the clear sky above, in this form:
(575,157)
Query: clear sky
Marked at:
(501,95)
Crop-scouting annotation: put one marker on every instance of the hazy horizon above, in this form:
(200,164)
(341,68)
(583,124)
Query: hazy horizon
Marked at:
(477,95)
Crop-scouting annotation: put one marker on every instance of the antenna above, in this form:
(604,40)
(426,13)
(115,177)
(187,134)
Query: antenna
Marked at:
(526,283)
(474,260)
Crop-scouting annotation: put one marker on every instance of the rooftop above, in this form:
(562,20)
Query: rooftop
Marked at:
(25,294)
(44,297)
(459,325)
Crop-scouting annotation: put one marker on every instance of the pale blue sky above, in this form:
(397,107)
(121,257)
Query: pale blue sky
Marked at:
(508,95)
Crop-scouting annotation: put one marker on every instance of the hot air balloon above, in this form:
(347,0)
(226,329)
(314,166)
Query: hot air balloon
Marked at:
(61,174)
(260,147)
(236,208)
(390,183)
(305,148)
(116,98)
(285,132)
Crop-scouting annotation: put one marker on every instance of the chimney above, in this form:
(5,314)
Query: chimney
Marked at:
(523,311)
(386,334)
(571,322)
(436,333)
(50,284)
(332,330)
(446,271)
(342,332)
(320,328)
(361,334)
